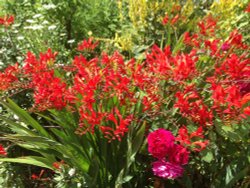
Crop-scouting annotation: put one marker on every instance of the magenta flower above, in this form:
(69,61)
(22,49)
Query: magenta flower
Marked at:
(167,170)
(244,87)
(225,46)
(160,143)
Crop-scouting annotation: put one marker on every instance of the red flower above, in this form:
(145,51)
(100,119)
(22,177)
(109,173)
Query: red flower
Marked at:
(245,99)
(175,19)
(236,39)
(2,150)
(34,177)
(7,20)
(165,20)
(198,133)
(247,8)
(48,91)
(246,111)
(183,136)
(87,45)
(207,25)
(57,164)
(178,155)
(199,145)
(212,46)
(191,40)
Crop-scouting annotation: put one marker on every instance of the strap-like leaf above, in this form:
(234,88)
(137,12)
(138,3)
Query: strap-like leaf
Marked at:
(25,117)
(18,128)
(32,160)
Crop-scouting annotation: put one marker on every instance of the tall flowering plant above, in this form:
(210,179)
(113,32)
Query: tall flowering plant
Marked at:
(189,104)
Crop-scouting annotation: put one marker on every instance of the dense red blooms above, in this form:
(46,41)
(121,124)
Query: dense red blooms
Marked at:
(192,106)
(192,140)
(7,20)
(148,86)
(246,111)
(87,45)
(9,78)
(159,61)
(49,90)
(191,40)
(34,66)
(2,150)
(164,65)
(212,46)
(120,125)
(184,66)
(207,25)
(235,39)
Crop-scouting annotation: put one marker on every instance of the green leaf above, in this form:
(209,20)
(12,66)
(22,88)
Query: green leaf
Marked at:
(93,172)
(231,180)
(208,156)
(18,128)
(137,141)
(31,160)
(34,140)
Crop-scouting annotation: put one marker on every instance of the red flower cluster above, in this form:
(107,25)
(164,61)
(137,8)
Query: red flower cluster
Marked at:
(208,26)
(87,45)
(193,140)
(226,89)
(49,90)
(7,20)
(102,80)
(192,106)
(192,40)
(9,78)
(121,85)
(164,65)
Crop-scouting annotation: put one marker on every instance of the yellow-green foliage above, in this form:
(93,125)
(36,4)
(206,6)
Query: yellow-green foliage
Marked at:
(124,42)
(138,11)
(226,12)
(188,8)
(142,12)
